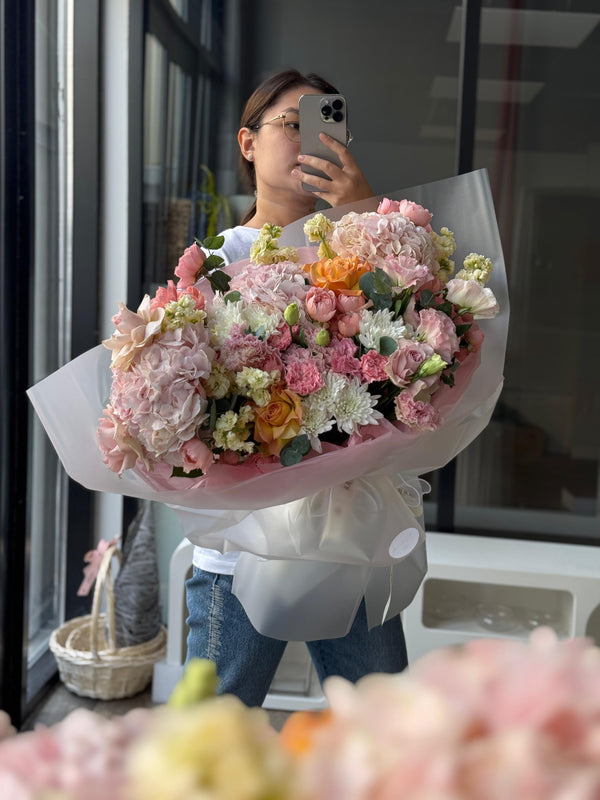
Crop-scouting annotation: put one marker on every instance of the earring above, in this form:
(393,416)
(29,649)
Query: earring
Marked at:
(250,156)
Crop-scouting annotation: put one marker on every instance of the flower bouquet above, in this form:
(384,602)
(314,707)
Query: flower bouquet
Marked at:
(309,385)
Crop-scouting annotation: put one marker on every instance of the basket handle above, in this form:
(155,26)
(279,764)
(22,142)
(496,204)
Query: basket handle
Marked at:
(104,581)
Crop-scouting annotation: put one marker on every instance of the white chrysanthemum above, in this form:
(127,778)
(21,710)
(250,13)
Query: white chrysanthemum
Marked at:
(222,317)
(316,417)
(374,325)
(355,406)
(260,321)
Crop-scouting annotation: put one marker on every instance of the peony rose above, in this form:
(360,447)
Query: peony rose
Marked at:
(472,297)
(196,455)
(320,303)
(415,213)
(337,274)
(347,302)
(438,330)
(348,324)
(406,360)
(189,266)
(387,206)
(279,421)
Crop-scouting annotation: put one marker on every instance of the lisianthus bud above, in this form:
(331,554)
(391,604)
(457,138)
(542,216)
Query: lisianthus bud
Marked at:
(291,314)
(322,338)
(430,366)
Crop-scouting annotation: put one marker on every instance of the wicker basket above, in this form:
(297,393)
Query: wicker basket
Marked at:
(92,667)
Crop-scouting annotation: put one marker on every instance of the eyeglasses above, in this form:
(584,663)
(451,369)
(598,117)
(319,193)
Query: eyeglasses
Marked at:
(290,122)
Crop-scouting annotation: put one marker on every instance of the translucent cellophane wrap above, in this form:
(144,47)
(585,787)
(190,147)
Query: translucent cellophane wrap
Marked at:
(318,536)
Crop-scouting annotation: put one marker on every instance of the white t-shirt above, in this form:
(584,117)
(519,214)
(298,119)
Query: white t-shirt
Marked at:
(236,247)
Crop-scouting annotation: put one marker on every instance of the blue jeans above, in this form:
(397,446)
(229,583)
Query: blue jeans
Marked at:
(246,660)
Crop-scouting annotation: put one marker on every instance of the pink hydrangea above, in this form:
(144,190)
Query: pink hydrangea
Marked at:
(272,286)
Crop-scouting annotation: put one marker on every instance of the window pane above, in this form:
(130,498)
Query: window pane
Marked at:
(47,482)
(535,469)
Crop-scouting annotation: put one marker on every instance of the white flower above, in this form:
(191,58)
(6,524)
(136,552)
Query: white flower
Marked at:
(471,296)
(355,406)
(374,325)
(261,322)
(222,317)
(218,383)
(232,430)
(316,417)
(476,268)
(254,383)
(318,227)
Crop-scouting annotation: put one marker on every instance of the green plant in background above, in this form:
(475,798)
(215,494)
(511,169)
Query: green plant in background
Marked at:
(214,208)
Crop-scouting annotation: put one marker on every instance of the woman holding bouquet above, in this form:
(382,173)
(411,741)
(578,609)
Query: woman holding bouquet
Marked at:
(270,158)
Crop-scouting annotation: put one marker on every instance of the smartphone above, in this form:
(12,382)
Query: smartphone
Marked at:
(321,113)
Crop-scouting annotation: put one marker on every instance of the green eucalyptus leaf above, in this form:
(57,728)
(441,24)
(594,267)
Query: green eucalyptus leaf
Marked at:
(219,280)
(462,329)
(427,297)
(212,262)
(232,297)
(387,345)
(213,242)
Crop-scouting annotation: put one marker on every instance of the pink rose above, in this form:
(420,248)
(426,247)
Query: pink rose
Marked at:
(196,455)
(320,303)
(350,302)
(416,413)
(348,324)
(415,213)
(438,330)
(406,360)
(373,366)
(189,265)
(474,338)
(387,206)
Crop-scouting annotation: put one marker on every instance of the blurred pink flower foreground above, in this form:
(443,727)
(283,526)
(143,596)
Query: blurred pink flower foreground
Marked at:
(491,720)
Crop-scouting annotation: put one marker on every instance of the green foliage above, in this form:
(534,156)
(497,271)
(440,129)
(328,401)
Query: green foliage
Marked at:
(295,450)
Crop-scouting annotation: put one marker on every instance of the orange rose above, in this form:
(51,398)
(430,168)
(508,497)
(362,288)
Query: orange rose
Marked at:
(279,421)
(338,274)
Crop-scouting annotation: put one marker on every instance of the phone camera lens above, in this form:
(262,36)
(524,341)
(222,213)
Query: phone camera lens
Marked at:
(338,104)
(326,111)
(338,116)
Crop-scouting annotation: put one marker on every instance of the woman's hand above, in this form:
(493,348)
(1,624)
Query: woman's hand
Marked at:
(346,184)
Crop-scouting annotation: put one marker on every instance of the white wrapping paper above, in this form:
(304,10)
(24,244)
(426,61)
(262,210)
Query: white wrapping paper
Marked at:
(317,536)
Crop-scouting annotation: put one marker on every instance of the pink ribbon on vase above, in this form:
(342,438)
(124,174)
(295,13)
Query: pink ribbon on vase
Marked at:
(93,558)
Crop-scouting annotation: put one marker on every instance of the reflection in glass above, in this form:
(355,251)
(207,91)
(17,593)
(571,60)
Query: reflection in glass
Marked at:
(535,468)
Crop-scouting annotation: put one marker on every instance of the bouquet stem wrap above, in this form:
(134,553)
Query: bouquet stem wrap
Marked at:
(318,536)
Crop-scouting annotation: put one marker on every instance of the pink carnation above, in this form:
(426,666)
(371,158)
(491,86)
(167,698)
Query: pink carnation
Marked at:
(239,351)
(373,366)
(438,330)
(340,357)
(282,338)
(189,266)
(416,413)
(303,377)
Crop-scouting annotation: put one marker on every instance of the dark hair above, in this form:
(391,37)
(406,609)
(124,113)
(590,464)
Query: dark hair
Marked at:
(261,99)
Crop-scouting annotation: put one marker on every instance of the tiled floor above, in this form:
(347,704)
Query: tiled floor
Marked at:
(60,702)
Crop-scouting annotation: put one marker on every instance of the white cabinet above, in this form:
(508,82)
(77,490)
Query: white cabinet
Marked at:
(480,587)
